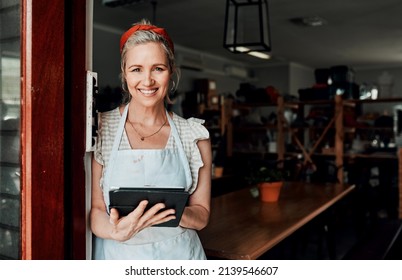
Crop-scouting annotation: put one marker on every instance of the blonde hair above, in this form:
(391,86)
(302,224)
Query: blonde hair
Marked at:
(142,37)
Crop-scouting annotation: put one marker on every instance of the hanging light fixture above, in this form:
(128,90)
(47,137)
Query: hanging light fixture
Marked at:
(247,27)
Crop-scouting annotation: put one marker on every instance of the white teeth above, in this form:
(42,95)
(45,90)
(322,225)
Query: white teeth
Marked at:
(145,91)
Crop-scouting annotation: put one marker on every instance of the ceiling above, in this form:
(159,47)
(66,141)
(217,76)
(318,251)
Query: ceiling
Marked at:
(359,33)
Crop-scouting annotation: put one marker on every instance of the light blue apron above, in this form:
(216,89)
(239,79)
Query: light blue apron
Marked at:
(149,168)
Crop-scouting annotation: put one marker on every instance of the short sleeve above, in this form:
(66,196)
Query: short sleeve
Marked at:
(98,145)
(191,131)
(108,123)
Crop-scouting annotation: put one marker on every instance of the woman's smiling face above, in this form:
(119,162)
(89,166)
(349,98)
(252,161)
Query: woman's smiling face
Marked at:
(147,73)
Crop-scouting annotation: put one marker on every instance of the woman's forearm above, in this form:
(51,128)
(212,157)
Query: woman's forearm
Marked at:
(195,217)
(100,224)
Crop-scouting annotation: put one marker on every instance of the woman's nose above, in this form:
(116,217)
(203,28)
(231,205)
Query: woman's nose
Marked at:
(148,79)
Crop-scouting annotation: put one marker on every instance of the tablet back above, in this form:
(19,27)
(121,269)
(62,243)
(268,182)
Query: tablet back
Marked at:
(126,200)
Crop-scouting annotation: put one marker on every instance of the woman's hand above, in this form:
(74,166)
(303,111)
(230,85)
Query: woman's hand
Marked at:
(126,227)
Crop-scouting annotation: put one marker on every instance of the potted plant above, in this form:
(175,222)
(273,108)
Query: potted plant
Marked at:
(269,182)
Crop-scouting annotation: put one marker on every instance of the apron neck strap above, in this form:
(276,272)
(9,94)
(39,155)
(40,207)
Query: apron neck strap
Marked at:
(115,147)
(180,147)
(120,130)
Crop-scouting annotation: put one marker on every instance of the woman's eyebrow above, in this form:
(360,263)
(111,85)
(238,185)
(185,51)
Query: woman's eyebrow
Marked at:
(140,66)
(134,65)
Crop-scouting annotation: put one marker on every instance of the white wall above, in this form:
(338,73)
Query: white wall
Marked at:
(106,55)
(276,76)
(373,76)
(286,78)
(300,76)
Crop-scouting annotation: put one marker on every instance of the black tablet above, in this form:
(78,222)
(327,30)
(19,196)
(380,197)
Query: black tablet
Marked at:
(126,200)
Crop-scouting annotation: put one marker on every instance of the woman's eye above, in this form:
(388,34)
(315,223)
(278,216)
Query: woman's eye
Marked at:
(135,70)
(159,69)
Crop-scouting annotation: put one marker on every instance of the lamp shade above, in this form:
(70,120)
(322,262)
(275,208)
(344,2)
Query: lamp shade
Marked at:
(247,26)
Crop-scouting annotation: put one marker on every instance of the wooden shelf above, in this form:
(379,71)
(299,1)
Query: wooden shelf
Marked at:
(375,155)
(255,127)
(252,105)
(380,100)
(332,101)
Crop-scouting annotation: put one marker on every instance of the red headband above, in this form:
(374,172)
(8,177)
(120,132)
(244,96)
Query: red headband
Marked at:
(153,28)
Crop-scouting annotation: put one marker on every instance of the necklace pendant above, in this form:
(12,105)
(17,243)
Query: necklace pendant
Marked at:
(143,137)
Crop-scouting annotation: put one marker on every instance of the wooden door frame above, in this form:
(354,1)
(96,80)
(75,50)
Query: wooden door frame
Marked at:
(75,125)
(53,129)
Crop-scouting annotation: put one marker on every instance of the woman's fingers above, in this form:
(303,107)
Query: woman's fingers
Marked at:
(140,218)
(137,212)
(169,216)
(156,215)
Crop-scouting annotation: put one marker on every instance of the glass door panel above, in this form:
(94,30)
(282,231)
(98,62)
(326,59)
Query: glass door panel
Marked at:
(10,129)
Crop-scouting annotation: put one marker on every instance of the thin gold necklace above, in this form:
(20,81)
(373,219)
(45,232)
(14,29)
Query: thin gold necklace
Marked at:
(143,137)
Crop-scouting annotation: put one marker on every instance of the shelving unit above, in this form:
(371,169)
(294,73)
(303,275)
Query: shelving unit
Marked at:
(335,132)
(298,133)
(216,121)
(237,127)
(205,103)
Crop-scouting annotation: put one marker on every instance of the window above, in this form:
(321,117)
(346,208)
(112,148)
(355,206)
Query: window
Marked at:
(10,130)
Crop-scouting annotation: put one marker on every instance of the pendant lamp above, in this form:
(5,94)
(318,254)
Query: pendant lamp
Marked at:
(247,26)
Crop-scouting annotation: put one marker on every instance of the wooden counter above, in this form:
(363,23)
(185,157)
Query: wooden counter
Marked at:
(243,227)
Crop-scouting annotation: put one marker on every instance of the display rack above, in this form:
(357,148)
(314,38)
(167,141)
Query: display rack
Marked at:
(335,131)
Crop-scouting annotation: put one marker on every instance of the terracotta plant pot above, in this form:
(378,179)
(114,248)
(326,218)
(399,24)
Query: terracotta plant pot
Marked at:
(218,171)
(269,191)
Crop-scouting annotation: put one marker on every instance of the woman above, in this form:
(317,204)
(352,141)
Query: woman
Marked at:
(141,142)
